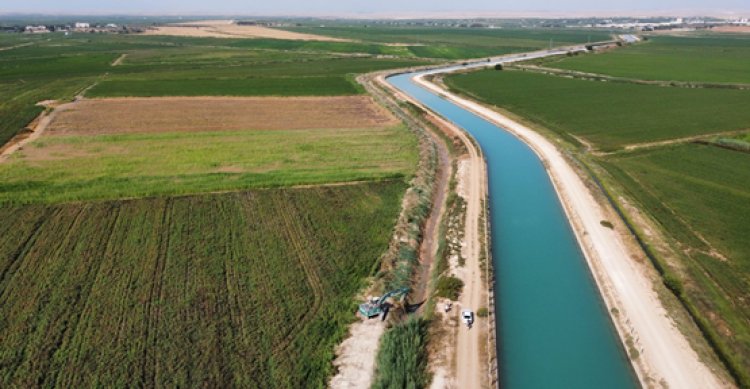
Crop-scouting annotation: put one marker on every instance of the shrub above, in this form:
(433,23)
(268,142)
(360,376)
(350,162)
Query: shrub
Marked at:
(449,287)
(402,359)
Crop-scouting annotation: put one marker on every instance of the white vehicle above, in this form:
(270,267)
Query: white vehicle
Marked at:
(468,317)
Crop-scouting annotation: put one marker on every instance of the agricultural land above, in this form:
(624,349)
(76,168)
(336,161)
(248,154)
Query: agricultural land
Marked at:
(456,43)
(205,290)
(717,58)
(191,212)
(36,68)
(678,152)
(204,204)
(229,29)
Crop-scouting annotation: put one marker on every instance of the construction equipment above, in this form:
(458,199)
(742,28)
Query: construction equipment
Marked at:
(375,306)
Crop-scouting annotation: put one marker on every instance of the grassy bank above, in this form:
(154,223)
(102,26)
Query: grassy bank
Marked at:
(699,196)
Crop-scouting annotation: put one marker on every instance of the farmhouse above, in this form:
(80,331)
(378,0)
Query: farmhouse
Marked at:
(36,29)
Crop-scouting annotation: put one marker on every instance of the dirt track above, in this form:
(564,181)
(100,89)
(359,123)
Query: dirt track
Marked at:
(665,354)
(187,114)
(470,361)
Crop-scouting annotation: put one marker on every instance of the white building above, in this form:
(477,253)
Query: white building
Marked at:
(82,25)
(36,29)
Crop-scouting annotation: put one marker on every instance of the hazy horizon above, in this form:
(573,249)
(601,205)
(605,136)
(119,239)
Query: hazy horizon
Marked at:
(383,8)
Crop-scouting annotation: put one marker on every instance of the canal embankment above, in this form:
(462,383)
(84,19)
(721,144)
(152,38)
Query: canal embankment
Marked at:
(659,352)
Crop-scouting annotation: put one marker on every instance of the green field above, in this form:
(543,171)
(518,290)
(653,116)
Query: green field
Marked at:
(304,77)
(701,196)
(249,289)
(701,58)
(459,43)
(135,165)
(184,259)
(609,115)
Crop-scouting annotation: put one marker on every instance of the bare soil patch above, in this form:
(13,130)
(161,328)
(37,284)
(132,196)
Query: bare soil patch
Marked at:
(228,29)
(189,114)
(736,29)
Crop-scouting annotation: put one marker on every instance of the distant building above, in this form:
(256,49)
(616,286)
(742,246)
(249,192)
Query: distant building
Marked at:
(36,29)
(82,25)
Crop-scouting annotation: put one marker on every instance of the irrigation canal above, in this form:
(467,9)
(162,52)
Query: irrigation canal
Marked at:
(553,328)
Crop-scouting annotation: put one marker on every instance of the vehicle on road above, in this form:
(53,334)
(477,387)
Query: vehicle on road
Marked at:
(467,316)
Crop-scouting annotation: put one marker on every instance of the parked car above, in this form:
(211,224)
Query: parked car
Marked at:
(468,317)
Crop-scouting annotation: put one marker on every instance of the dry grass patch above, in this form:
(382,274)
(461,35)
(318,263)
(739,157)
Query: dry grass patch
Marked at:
(187,114)
(228,29)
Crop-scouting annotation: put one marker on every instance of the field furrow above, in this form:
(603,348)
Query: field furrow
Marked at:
(214,290)
(295,236)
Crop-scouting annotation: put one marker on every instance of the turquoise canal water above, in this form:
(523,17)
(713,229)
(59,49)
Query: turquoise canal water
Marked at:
(553,328)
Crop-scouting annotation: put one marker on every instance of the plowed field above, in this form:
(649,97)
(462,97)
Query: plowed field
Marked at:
(178,114)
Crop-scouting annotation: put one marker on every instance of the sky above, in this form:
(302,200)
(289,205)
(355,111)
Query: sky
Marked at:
(374,7)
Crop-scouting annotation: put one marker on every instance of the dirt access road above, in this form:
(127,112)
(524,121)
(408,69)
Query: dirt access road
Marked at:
(666,357)
(472,366)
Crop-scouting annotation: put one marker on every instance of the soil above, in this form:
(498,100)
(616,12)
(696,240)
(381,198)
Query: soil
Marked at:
(737,29)
(470,366)
(34,130)
(119,60)
(189,114)
(227,29)
(355,356)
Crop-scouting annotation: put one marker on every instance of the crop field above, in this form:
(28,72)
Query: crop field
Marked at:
(458,43)
(314,77)
(701,196)
(609,115)
(128,115)
(84,167)
(700,58)
(225,29)
(58,68)
(248,289)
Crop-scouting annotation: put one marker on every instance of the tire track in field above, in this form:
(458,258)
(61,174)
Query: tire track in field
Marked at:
(77,323)
(23,249)
(44,296)
(83,296)
(152,316)
(294,232)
